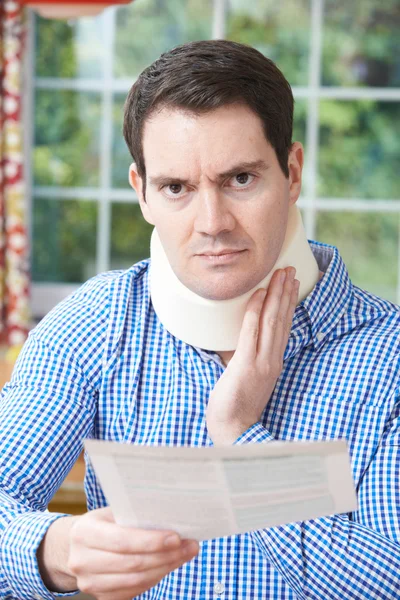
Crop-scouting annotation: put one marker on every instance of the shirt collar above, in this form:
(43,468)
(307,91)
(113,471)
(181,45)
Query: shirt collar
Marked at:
(317,315)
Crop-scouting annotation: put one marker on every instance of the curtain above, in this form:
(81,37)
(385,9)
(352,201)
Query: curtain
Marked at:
(14,279)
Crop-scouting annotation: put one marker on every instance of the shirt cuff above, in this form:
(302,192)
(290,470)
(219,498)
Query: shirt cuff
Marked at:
(255,433)
(18,559)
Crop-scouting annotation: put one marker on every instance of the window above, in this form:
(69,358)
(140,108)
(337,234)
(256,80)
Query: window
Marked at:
(340,58)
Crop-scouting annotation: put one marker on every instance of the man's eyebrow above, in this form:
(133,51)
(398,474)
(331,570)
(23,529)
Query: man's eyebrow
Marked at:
(159,180)
(242,167)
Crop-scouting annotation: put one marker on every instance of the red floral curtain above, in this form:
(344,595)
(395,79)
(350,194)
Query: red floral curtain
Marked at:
(14,280)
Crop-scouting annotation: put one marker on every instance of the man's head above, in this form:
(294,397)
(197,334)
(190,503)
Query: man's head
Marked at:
(201,76)
(209,126)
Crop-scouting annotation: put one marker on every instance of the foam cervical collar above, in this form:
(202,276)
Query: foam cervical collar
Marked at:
(215,324)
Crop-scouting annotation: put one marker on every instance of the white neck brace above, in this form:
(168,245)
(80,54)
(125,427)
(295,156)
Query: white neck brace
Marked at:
(215,324)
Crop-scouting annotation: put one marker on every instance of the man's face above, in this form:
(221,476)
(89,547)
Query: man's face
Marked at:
(214,185)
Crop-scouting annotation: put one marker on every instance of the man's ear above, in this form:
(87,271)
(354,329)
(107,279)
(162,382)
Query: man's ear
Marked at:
(137,183)
(295,165)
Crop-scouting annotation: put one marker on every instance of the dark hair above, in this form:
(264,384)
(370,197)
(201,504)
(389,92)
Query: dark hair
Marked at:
(201,76)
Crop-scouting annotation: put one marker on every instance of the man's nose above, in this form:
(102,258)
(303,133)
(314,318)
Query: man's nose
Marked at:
(213,214)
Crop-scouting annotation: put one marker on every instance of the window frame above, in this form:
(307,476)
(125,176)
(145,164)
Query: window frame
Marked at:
(46,295)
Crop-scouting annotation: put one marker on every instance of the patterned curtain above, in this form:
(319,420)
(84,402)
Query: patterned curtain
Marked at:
(14,280)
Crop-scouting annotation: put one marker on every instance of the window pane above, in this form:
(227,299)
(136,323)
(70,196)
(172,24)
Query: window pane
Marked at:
(147,28)
(280,30)
(121,158)
(64,240)
(359,149)
(361,42)
(130,235)
(368,243)
(66,151)
(69,48)
(299,121)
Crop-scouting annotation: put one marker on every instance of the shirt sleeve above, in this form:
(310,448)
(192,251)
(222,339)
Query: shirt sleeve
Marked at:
(45,412)
(354,556)
(255,433)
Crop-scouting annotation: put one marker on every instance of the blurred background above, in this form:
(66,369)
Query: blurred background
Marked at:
(342,61)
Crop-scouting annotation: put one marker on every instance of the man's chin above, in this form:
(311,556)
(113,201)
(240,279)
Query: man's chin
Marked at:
(221,287)
(219,294)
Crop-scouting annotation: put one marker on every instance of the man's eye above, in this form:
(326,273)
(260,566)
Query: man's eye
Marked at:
(242,179)
(175,188)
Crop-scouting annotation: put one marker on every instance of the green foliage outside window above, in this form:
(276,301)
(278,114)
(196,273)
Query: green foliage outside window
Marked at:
(69,49)
(150,27)
(270,27)
(67,146)
(64,240)
(360,43)
(130,235)
(359,149)
(368,243)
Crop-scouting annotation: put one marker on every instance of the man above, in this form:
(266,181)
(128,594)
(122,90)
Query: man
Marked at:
(209,126)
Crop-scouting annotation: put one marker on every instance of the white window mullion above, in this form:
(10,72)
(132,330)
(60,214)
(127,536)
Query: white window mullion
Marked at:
(123,84)
(106,133)
(66,193)
(357,205)
(219,16)
(382,205)
(65,83)
(312,128)
(370,93)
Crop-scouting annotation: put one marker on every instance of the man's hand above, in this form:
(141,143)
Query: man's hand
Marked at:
(245,387)
(112,562)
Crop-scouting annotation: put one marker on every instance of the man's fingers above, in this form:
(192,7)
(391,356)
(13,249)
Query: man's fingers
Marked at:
(105,514)
(271,321)
(134,582)
(103,535)
(248,338)
(112,563)
(275,317)
(294,296)
(266,317)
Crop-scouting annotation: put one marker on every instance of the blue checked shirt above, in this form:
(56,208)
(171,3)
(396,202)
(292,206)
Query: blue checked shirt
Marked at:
(101,365)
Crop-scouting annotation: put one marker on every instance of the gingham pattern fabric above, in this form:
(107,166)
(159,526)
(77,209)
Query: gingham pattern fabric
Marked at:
(102,365)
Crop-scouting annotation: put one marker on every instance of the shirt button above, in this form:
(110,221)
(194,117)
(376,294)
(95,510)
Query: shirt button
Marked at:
(320,336)
(219,588)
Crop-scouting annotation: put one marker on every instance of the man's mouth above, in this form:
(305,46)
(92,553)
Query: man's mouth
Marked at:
(222,257)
